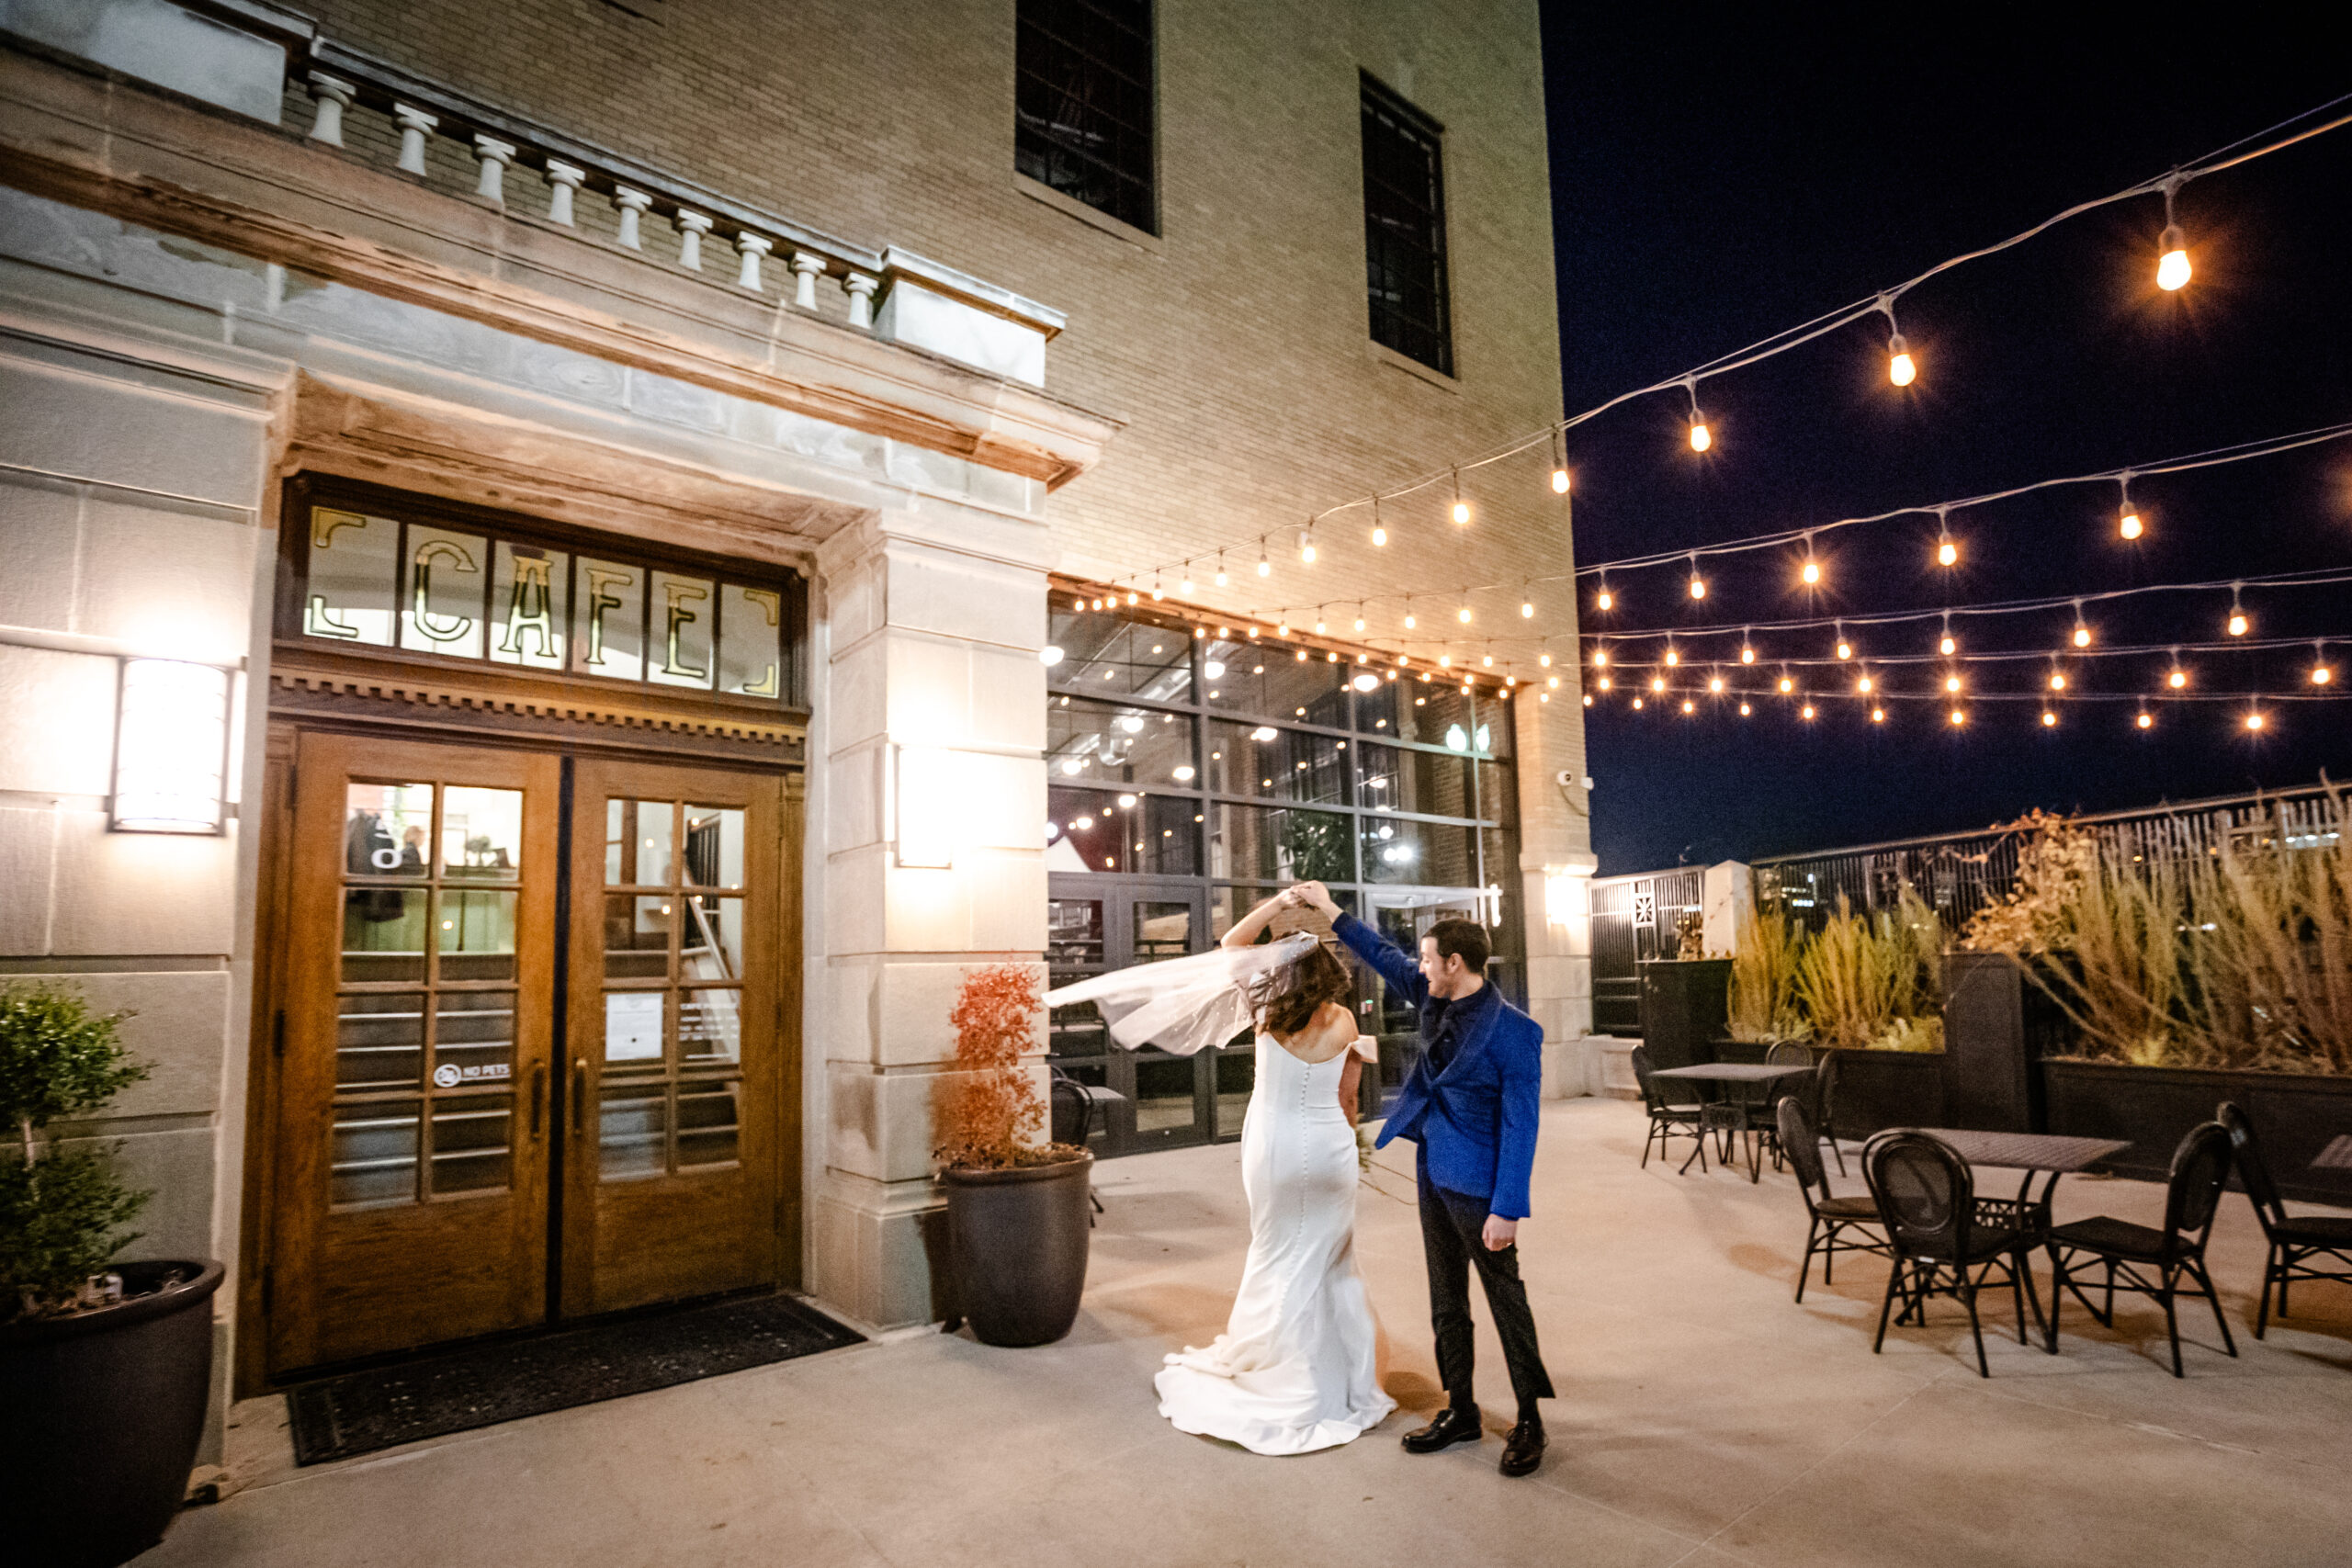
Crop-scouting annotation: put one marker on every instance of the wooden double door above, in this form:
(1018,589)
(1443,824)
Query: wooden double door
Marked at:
(528,1058)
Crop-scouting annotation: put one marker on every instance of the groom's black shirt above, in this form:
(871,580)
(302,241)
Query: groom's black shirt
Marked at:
(1447,1023)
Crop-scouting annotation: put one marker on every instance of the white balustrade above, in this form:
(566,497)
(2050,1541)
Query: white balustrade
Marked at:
(806,270)
(565,180)
(495,155)
(415,126)
(860,290)
(692,227)
(753,248)
(333,95)
(633,205)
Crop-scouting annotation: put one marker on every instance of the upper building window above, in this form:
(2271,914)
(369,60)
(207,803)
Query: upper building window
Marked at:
(1404,229)
(1083,104)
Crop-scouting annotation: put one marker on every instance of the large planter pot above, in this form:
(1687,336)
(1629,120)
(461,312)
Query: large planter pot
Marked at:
(2295,1114)
(1018,1241)
(1685,1004)
(1877,1089)
(100,1414)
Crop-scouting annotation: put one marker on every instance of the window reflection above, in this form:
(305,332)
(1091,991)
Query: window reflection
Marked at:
(1277,764)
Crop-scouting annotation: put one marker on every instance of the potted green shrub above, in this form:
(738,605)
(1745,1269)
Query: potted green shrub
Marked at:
(105,1368)
(1017,1207)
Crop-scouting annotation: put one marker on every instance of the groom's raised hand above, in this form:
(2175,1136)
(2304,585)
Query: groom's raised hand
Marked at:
(1316,893)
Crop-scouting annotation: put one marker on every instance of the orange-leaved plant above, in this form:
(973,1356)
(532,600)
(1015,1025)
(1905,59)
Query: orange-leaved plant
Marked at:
(989,1114)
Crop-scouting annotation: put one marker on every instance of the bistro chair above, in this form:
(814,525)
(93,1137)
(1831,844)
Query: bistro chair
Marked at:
(1828,1218)
(1786,1053)
(1072,1122)
(1824,1109)
(1688,1119)
(2151,1262)
(2295,1239)
(1927,1200)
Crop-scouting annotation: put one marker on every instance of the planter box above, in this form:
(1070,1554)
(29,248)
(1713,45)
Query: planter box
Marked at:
(1989,1082)
(1685,1004)
(2295,1114)
(1877,1089)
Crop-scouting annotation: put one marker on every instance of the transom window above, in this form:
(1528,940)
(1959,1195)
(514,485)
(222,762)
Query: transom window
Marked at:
(1404,226)
(369,576)
(1083,105)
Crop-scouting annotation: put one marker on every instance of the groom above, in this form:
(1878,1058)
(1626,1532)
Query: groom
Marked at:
(1471,1103)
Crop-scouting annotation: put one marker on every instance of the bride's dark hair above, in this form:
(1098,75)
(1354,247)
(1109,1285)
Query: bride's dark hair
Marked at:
(1289,996)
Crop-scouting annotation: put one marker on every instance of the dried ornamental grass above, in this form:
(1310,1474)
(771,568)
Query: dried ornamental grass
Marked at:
(2269,952)
(1764,979)
(989,1116)
(1875,980)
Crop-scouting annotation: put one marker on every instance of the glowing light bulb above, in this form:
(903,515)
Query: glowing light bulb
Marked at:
(2049,719)
(1462,615)
(1899,369)
(1488,661)
(1716,683)
(1265,567)
(2129,524)
(1698,588)
(1845,650)
(1672,659)
(1878,716)
(2057,682)
(1600,657)
(2322,674)
(2253,720)
(1746,655)
(1959,717)
(1553,681)
(1951,683)
(2082,636)
(1527,609)
(1379,535)
(1658,683)
(2238,622)
(2172,271)
(1306,552)
(1358,622)
(1812,572)
(1607,684)
(2146,721)
(1607,601)
(1787,685)
(1223,578)
(1946,554)
(1185,587)
(1863,685)
(1637,704)
(1947,646)
(1319,629)
(1806,712)
(1559,481)
(1545,659)
(1461,512)
(1410,622)
(1700,439)
(2176,679)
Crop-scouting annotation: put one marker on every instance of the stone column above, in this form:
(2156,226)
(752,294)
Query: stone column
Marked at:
(415,126)
(333,95)
(692,227)
(1556,865)
(933,623)
(633,205)
(860,290)
(495,155)
(564,181)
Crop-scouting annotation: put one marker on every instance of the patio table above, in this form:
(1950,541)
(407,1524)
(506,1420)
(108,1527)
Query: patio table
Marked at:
(2047,1153)
(1737,1073)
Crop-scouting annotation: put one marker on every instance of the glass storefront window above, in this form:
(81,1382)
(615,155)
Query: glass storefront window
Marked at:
(1098,831)
(1106,655)
(1107,744)
(1260,761)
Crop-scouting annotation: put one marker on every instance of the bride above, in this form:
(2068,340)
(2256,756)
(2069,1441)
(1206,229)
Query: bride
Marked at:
(1293,1369)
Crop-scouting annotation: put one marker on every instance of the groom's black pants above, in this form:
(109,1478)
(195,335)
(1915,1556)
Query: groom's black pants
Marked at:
(1452,1227)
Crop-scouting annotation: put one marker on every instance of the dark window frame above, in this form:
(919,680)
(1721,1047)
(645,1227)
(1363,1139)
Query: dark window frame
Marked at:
(1408,277)
(1120,103)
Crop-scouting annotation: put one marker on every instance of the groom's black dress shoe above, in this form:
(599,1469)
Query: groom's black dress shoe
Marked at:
(1451,1426)
(1524,1450)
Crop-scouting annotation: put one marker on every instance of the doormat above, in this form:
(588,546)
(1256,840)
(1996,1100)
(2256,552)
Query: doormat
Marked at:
(358,1413)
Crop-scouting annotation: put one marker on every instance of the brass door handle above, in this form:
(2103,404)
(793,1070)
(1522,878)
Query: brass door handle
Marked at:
(579,1094)
(539,1096)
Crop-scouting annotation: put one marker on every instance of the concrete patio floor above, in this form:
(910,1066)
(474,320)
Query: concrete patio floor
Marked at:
(1703,1419)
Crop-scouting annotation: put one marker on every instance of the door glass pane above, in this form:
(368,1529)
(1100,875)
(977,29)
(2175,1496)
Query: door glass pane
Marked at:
(631,1127)
(354,570)
(637,842)
(610,617)
(708,1121)
(383,933)
(380,1040)
(473,1038)
(1237,1073)
(1074,932)
(375,1152)
(637,936)
(1266,844)
(710,943)
(711,1026)
(684,609)
(750,638)
(385,830)
(1163,1091)
(481,834)
(475,935)
(1426,852)
(1163,929)
(714,847)
(470,1152)
(442,586)
(530,604)
(633,1026)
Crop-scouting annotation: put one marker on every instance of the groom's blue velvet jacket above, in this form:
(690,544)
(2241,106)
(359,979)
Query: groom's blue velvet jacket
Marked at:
(1476,1120)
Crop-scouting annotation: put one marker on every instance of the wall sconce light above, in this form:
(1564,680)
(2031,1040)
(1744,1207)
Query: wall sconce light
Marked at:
(171,747)
(923,807)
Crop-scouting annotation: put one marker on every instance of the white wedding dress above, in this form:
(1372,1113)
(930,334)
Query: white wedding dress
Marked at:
(1293,1369)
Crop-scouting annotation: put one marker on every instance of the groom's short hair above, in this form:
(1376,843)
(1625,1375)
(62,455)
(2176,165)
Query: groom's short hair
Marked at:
(1466,940)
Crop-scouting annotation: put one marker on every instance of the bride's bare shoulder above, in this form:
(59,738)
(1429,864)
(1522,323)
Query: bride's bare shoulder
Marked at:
(1327,1034)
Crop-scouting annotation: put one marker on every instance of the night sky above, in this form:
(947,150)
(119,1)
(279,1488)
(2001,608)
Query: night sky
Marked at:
(1719,176)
